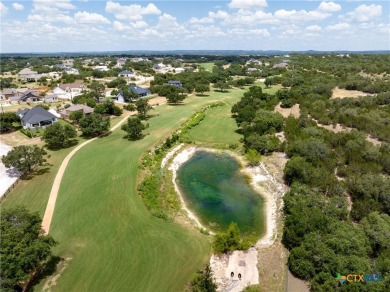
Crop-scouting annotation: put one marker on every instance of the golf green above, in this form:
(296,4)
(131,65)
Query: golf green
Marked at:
(215,189)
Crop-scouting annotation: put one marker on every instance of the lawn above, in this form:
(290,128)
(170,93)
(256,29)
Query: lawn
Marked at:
(207,66)
(218,127)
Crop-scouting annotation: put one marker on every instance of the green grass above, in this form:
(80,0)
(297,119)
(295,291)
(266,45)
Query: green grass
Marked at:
(102,224)
(270,90)
(207,66)
(218,127)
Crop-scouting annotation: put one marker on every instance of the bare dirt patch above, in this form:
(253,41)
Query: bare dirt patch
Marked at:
(343,93)
(52,281)
(285,112)
(296,285)
(157,100)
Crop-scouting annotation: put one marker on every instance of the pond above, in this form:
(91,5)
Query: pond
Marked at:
(213,187)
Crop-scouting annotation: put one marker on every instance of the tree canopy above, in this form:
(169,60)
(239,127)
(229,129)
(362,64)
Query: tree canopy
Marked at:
(23,248)
(25,158)
(134,128)
(58,135)
(94,125)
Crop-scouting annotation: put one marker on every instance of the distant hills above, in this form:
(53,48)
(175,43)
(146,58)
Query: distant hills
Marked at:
(185,52)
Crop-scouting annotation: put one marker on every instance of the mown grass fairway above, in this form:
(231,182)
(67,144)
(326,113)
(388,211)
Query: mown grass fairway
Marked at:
(218,127)
(103,226)
(207,66)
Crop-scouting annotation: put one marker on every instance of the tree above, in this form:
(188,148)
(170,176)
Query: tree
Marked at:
(24,158)
(203,281)
(97,88)
(108,108)
(58,136)
(134,128)
(228,241)
(23,248)
(7,119)
(201,88)
(222,85)
(175,96)
(253,157)
(142,107)
(76,116)
(268,82)
(94,125)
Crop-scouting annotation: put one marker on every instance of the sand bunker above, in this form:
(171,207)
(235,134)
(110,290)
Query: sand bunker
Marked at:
(285,112)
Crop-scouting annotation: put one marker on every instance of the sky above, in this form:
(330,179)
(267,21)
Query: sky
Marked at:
(100,25)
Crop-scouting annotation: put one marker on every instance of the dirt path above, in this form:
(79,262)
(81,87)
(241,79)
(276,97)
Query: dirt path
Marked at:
(57,181)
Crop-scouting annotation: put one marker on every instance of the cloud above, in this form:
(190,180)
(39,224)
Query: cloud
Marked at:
(246,4)
(86,17)
(3,9)
(204,20)
(339,26)
(51,6)
(17,6)
(300,15)
(131,12)
(329,7)
(364,13)
(51,18)
(218,15)
(313,28)
(238,32)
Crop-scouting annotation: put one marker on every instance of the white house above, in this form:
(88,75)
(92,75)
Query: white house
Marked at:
(126,73)
(68,90)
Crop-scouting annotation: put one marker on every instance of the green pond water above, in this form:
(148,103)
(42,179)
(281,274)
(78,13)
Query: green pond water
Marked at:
(215,190)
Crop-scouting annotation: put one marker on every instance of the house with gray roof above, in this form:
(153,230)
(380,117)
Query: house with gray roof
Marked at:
(175,83)
(36,118)
(140,91)
(126,73)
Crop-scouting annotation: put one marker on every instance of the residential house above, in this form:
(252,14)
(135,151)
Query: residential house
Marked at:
(101,68)
(69,90)
(65,113)
(250,70)
(28,96)
(72,71)
(280,65)
(126,73)
(140,91)
(159,66)
(175,83)
(68,63)
(179,70)
(37,117)
(8,92)
(51,97)
(29,75)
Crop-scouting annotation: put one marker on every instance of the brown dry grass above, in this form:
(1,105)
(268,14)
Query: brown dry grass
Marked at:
(285,112)
(16,138)
(343,93)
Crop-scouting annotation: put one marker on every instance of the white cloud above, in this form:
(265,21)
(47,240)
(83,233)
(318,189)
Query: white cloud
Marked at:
(204,20)
(365,13)
(313,28)
(339,26)
(131,12)
(3,9)
(51,6)
(239,32)
(218,15)
(329,7)
(86,17)
(17,6)
(246,4)
(51,18)
(300,15)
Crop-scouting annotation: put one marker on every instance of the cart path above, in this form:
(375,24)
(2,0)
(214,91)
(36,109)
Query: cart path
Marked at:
(57,181)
